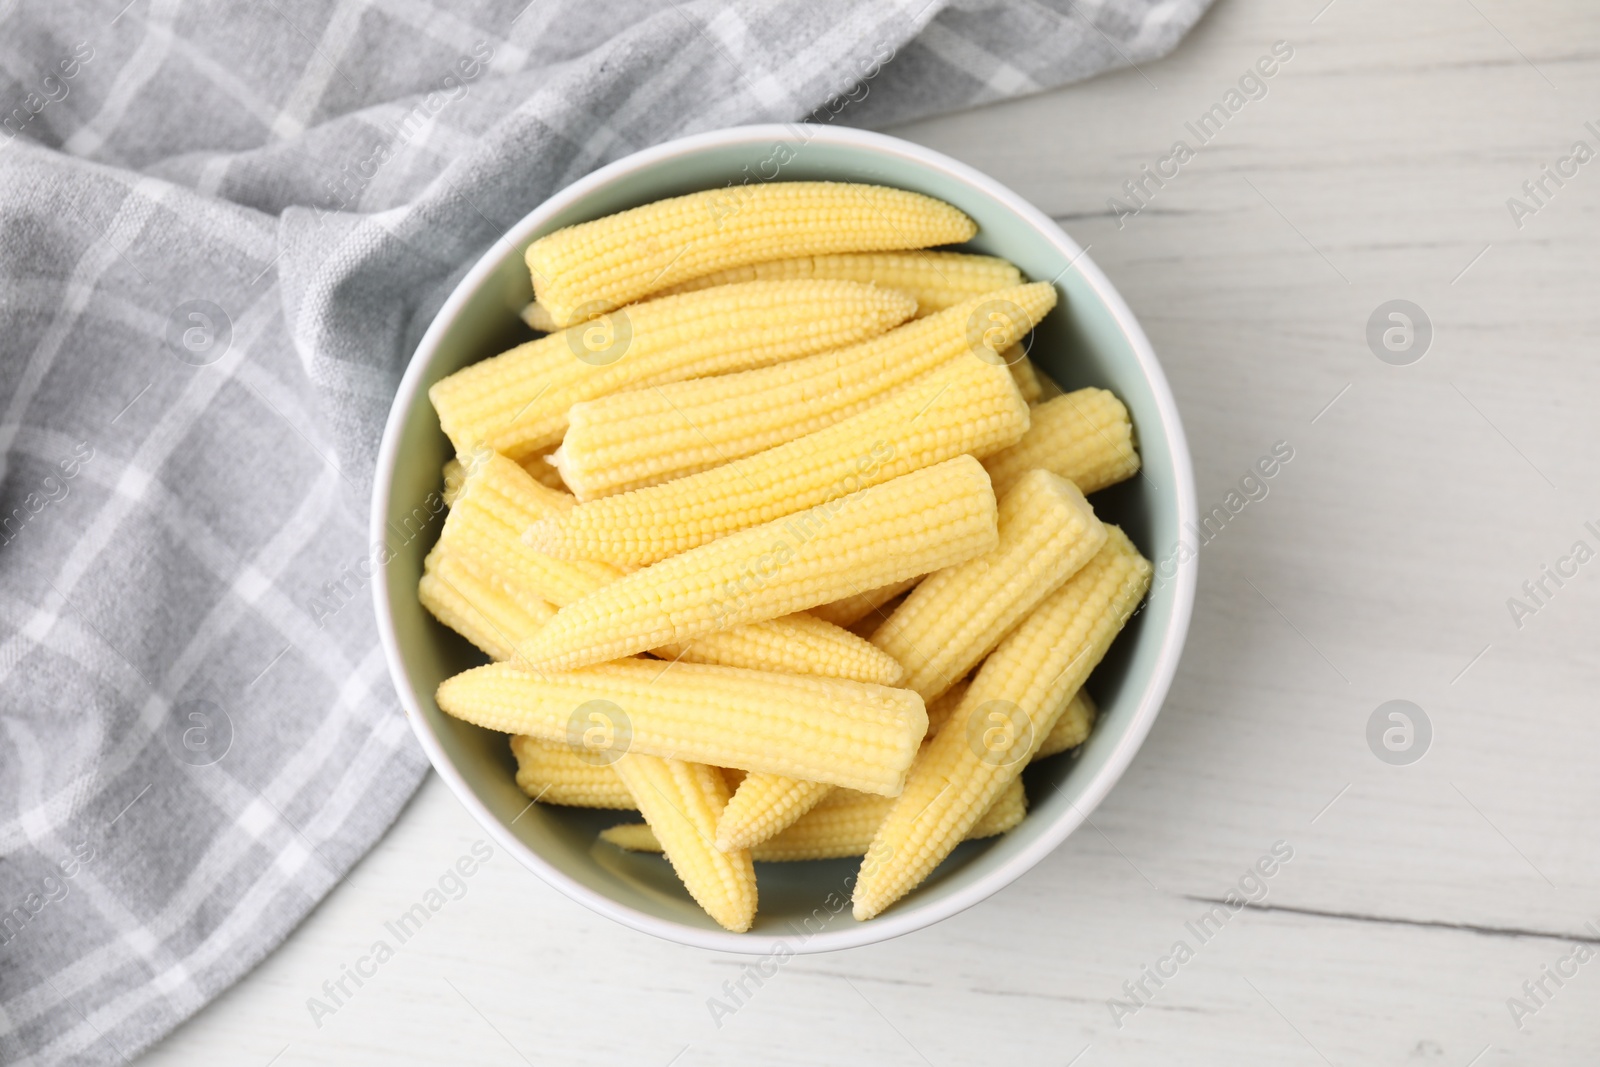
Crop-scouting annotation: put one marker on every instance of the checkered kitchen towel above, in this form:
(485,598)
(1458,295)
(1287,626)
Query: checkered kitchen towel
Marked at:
(223,228)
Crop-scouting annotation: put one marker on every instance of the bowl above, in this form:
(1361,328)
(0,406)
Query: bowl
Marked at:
(1090,339)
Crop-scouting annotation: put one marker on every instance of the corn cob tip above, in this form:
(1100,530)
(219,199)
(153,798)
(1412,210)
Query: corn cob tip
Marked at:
(765,805)
(537,318)
(680,803)
(1085,436)
(997,322)
(631,837)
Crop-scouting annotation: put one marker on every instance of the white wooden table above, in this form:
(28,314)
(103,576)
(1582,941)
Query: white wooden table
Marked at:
(1420,498)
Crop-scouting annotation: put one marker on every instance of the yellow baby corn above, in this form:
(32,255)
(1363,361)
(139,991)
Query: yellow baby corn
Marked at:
(940,709)
(1023,371)
(798,643)
(543,471)
(920,522)
(822,729)
(497,500)
(955,616)
(590,268)
(863,628)
(968,407)
(763,805)
(489,618)
(454,474)
(631,837)
(483,612)
(537,466)
(1007,811)
(516,403)
(1010,707)
(643,437)
(936,280)
(537,318)
(1084,436)
(852,609)
(492,620)
(1072,728)
(554,772)
(841,825)
(680,803)
(795,643)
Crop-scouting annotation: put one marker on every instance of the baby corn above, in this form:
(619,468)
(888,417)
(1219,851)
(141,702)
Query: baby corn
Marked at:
(798,643)
(484,613)
(541,470)
(554,772)
(585,270)
(680,803)
(1010,707)
(941,708)
(454,473)
(1072,728)
(852,609)
(632,837)
(756,416)
(968,407)
(936,280)
(496,500)
(516,403)
(643,437)
(537,467)
(1084,436)
(920,522)
(1023,371)
(1006,812)
(841,825)
(822,729)
(954,617)
(763,805)
(537,318)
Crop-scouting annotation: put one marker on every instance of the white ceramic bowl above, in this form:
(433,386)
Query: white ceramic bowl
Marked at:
(1090,339)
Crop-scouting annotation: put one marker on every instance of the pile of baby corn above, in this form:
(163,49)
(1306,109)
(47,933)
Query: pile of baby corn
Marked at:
(778,538)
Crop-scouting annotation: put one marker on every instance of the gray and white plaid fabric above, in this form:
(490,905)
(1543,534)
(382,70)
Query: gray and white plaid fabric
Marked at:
(223,229)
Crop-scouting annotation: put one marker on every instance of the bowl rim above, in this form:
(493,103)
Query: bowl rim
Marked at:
(907,917)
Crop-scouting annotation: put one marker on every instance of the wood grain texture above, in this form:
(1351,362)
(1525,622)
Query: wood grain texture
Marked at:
(1420,897)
